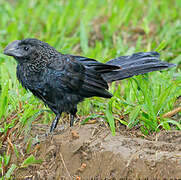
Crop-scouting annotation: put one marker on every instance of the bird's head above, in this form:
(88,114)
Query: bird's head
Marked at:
(28,50)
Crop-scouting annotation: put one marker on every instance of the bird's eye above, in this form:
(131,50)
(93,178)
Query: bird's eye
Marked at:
(26,48)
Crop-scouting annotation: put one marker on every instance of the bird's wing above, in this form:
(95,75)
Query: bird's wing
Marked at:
(66,74)
(96,65)
(73,77)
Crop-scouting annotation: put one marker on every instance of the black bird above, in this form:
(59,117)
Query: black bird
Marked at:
(61,81)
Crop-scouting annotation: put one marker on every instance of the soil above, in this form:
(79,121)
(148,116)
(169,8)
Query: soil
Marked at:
(92,152)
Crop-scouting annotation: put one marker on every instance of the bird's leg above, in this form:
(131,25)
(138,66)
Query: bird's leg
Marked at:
(72,116)
(72,120)
(55,122)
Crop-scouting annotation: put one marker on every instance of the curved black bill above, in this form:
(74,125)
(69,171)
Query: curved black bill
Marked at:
(12,49)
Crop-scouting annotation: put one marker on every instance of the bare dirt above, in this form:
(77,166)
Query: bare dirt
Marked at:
(91,152)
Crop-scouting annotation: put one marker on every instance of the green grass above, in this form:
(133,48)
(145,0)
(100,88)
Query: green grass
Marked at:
(101,30)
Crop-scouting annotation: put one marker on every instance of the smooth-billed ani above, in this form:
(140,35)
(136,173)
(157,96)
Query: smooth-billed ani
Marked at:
(61,81)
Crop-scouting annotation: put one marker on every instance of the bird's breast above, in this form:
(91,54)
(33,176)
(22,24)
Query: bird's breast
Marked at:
(28,78)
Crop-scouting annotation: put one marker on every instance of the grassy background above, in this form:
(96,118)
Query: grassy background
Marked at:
(102,30)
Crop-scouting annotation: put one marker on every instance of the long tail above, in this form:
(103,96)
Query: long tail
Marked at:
(138,63)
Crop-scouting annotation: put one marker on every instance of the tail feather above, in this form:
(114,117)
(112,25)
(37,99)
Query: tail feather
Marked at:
(138,63)
(133,58)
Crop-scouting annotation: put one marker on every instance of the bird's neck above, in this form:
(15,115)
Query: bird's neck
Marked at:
(34,67)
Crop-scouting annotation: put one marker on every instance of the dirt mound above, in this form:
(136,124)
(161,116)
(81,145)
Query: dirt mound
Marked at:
(91,152)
